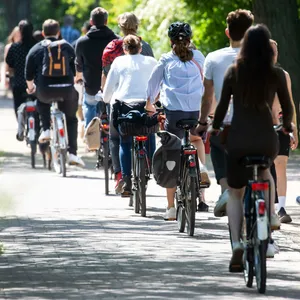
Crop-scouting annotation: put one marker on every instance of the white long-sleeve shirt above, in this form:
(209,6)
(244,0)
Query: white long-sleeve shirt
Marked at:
(128,78)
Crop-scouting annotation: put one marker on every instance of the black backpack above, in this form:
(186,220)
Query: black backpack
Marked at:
(56,61)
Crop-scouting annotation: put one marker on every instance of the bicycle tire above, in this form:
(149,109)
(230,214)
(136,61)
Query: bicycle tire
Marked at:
(135,192)
(142,184)
(33,148)
(260,252)
(44,161)
(105,164)
(62,159)
(181,218)
(190,204)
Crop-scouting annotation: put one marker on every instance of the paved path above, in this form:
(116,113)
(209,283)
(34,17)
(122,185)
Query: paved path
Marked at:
(64,239)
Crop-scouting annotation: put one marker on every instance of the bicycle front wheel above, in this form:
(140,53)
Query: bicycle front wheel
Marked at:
(142,184)
(105,163)
(260,263)
(190,204)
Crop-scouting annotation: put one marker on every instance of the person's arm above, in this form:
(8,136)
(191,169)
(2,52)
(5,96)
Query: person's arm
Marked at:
(154,83)
(226,94)
(111,83)
(207,100)
(30,71)
(284,99)
(78,63)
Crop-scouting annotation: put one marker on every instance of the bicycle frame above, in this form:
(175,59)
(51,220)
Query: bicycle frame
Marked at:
(60,134)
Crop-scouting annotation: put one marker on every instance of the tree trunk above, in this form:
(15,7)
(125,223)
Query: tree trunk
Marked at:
(281,17)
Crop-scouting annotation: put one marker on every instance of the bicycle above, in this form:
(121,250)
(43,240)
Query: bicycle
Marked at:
(140,160)
(59,138)
(189,183)
(103,153)
(32,128)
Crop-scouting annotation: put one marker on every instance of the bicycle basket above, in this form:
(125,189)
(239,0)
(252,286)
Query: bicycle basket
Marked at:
(135,129)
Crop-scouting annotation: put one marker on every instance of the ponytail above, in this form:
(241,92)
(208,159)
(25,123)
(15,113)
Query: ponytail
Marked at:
(182,49)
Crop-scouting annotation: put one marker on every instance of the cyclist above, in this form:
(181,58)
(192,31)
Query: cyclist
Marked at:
(89,49)
(48,87)
(285,143)
(16,58)
(252,81)
(128,23)
(14,37)
(180,72)
(127,81)
(215,66)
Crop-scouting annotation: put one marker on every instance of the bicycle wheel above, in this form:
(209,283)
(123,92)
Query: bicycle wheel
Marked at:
(105,164)
(62,159)
(135,192)
(190,204)
(33,147)
(260,264)
(142,184)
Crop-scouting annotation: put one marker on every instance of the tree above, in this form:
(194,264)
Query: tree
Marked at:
(281,17)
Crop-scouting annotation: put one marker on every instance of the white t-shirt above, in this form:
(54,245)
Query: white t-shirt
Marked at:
(128,78)
(215,66)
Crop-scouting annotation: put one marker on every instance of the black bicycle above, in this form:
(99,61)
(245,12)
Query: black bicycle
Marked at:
(189,181)
(256,230)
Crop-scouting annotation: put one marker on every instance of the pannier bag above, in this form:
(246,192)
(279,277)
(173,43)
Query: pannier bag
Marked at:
(92,134)
(166,160)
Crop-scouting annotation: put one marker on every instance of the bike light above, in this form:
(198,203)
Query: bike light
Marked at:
(141,138)
(105,126)
(105,139)
(192,164)
(31,123)
(261,208)
(61,132)
(30,108)
(260,186)
(189,152)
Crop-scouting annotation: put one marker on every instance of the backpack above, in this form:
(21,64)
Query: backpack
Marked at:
(56,59)
(166,160)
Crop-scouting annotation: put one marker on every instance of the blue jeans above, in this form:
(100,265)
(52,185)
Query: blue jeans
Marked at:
(125,152)
(89,108)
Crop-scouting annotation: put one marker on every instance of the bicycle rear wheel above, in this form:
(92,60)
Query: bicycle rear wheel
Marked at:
(105,163)
(142,184)
(33,148)
(190,204)
(260,259)
(63,159)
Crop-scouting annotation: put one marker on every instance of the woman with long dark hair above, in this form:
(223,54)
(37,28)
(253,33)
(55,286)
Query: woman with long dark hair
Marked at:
(253,82)
(16,58)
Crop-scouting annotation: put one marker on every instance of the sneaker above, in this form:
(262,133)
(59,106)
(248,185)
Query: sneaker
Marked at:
(119,183)
(45,136)
(202,206)
(275,222)
(236,262)
(220,208)
(75,160)
(20,138)
(170,214)
(283,216)
(205,181)
(126,192)
(272,249)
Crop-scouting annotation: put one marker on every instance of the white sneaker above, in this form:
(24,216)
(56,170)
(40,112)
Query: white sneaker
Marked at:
(275,222)
(75,160)
(45,136)
(220,208)
(272,250)
(170,214)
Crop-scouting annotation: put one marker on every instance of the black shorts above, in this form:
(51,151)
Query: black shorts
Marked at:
(284,144)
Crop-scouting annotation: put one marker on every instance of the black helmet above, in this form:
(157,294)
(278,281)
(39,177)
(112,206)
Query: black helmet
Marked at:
(179,31)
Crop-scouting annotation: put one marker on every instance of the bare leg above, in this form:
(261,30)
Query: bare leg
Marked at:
(281,166)
(171,196)
(199,145)
(235,212)
(224,185)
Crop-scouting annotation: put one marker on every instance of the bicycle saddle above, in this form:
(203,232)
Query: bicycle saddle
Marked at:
(187,123)
(261,161)
(58,99)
